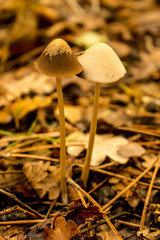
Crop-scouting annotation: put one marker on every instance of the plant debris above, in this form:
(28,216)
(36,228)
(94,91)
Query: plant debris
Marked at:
(121,198)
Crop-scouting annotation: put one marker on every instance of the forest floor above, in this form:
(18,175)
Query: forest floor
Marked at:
(121,199)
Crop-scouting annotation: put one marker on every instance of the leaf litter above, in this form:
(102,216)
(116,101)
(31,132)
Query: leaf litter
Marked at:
(127,139)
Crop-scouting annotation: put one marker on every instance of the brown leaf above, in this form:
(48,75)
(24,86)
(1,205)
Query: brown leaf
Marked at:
(130,150)
(80,213)
(107,145)
(63,230)
(44,178)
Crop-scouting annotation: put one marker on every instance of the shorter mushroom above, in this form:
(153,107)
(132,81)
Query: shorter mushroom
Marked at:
(100,65)
(58,60)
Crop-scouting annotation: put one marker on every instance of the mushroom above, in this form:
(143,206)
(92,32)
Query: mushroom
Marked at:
(58,60)
(100,65)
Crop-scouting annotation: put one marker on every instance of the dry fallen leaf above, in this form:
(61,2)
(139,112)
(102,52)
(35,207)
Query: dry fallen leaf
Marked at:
(44,178)
(105,145)
(72,113)
(5,116)
(63,230)
(130,150)
(23,106)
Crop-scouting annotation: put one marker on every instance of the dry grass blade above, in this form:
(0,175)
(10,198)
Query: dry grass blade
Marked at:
(75,185)
(149,194)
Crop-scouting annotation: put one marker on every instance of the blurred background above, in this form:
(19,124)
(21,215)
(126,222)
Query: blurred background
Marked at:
(128,127)
(131,28)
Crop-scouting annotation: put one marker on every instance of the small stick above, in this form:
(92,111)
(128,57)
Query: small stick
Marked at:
(93,226)
(98,185)
(130,185)
(50,208)
(117,176)
(22,222)
(18,144)
(19,155)
(19,209)
(49,146)
(146,132)
(75,185)
(82,198)
(149,194)
(134,225)
(12,196)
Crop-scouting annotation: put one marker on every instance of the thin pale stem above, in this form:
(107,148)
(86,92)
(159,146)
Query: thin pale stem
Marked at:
(85,171)
(62,141)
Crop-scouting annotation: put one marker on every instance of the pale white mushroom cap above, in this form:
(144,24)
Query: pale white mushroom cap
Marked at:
(101,64)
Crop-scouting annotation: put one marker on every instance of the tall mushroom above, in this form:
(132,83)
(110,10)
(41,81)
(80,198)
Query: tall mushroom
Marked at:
(57,60)
(100,65)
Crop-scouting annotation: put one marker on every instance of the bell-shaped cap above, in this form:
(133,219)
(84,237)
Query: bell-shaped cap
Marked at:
(58,60)
(101,64)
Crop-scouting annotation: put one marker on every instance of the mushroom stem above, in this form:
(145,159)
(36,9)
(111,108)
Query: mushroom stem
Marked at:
(85,171)
(62,141)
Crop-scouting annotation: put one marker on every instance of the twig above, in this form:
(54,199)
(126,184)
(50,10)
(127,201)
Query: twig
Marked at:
(98,185)
(117,175)
(49,146)
(149,194)
(19,155)
(134,225)
(75,185)
(12,196)
(19,209)
(50,208)
(82,198)
(22,222)
(146,132)
(19,144)
(94,226)
(130,185)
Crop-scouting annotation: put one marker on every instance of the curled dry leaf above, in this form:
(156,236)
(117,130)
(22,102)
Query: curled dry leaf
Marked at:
(63,230)
(44,178)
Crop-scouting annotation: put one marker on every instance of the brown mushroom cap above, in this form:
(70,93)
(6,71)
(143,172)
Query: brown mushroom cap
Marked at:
(101,64)
(58,60)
